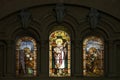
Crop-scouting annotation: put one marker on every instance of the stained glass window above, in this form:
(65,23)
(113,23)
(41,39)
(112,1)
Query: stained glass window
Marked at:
(59,54)
(26,55)
(93,56)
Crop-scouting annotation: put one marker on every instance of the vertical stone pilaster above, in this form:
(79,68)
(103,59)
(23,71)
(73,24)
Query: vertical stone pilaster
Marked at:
(81,57)
(10,58)
(117,57)
(78,58)
(2,53)
(112,59)
(44,57)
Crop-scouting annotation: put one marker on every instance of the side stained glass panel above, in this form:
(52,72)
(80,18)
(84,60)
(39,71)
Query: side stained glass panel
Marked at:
(93,56)
(26,55)
(59,54)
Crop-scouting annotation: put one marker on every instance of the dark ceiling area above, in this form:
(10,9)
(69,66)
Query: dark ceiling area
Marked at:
(111,7)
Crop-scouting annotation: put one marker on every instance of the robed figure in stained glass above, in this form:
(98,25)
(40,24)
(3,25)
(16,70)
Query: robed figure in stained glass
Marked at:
(26,56)
(59,53)
(92,64)
(93,49)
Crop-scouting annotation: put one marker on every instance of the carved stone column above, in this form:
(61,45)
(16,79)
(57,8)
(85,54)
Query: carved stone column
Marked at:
(117,57)
(44,57)
(78,58)
(112,59)
(2,59)
(10,58)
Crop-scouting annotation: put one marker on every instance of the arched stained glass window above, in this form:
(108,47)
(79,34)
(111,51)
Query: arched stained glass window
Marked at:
(26,55)
(59,54)
(93,56)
